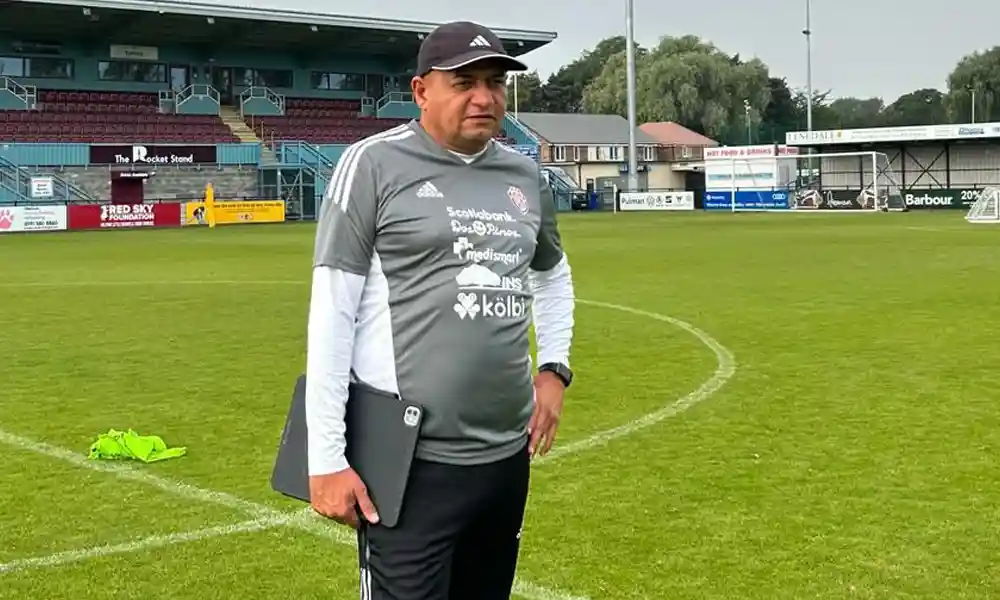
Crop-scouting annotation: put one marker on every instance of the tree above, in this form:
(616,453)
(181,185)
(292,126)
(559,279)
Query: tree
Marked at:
(688,81)
(857,113)
(823,117)
(919,107)
(781,115)
(976,75)
(563,92)
(529,92)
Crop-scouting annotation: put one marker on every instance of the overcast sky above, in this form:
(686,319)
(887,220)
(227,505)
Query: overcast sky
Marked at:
(860,47)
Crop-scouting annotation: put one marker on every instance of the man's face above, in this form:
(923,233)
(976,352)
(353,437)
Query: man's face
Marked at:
(466,105)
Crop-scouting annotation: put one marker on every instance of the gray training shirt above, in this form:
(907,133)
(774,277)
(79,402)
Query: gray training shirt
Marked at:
(445,247)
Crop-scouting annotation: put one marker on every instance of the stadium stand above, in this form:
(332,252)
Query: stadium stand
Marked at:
(108,117)
(152,101)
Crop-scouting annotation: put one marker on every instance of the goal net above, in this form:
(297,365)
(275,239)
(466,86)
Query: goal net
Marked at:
(825,182)
(987,208)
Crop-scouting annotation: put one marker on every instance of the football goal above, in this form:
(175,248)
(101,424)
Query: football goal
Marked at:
(824,182)
(987,208)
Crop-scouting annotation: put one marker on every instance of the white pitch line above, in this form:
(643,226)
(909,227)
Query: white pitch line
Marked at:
(155,541)
(724,371)
(127,471)
(726,361)
(318,526)
(309,521)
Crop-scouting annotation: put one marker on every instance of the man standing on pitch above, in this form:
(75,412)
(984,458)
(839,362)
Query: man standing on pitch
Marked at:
(436,247)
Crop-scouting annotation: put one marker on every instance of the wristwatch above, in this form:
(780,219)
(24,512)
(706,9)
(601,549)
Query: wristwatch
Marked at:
(559,370)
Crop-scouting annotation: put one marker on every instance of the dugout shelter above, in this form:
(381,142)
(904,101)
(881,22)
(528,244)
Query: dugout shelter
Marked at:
(925,166)
(160,98)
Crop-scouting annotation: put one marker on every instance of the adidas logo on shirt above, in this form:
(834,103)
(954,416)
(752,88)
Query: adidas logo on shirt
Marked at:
(479,42)
(427,190)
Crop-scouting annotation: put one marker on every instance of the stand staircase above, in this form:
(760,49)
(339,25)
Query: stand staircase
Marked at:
(233,119)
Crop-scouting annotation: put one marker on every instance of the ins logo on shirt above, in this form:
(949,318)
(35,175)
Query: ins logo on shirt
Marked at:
(483,292)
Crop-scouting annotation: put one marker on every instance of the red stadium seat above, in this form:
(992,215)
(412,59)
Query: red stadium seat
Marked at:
(107,117)
(65,116)
(320,121)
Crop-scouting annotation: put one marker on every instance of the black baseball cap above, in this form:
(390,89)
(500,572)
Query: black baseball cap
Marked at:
(454,45)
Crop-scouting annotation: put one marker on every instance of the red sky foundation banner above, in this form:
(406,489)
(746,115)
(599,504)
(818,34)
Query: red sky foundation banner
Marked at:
(119,216)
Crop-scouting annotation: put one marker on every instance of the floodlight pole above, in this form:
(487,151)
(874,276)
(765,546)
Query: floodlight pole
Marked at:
(809,86)
(515,95)
(633,175)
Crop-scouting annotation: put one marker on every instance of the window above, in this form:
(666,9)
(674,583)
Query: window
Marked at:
(11,67)
(49,68)
(649,153)
(133,71)
(341,82)
(614,153)
(559,153)
(274,78)
(36,67)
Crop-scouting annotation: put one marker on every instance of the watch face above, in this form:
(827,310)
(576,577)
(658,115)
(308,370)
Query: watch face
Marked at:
(560,371)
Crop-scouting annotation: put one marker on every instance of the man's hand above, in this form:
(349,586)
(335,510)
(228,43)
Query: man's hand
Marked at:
(549,390)
(338,495)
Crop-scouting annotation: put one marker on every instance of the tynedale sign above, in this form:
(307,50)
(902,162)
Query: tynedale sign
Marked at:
(883,135)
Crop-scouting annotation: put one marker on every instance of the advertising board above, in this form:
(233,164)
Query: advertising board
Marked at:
(121,216)
(746,200)
(635,201)
(230,212)
(962,198)
(28,219)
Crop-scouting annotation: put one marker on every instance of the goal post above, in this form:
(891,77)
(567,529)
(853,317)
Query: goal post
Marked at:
(786,180)
(986,208)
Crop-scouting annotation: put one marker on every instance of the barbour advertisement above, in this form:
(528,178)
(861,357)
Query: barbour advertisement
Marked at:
(962,198)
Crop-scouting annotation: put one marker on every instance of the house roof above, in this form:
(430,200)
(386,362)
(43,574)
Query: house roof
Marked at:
(675,134)
(581,129)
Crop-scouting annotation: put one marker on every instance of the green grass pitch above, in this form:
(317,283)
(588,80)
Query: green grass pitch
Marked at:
(851,454)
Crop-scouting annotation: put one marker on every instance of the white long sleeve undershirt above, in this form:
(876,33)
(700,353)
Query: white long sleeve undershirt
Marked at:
(333,311)
(552,312)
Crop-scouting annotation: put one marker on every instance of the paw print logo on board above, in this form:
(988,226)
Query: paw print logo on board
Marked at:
(6,219)
(467,306)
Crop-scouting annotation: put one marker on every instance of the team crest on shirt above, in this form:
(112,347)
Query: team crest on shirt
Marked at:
(518,199)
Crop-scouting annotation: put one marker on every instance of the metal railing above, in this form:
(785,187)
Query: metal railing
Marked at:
(559,180)
(260,91)
(27,93)
(19,180)
(197,90)
(521,127)
(393,97)
(298,152)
